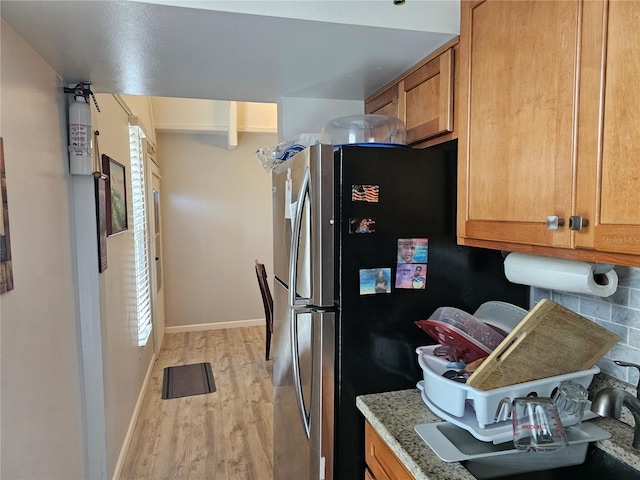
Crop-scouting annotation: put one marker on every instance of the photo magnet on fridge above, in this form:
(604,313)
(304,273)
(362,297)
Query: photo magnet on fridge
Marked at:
(375,280)
(362,225)
(413,250)
(411,276)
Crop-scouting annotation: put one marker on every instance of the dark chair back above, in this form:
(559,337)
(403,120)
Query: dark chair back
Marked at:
(267,301)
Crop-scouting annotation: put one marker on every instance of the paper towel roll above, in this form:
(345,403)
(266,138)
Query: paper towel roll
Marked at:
(561,274)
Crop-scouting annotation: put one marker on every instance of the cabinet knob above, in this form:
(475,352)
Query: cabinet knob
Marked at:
(576,222)
(553,222)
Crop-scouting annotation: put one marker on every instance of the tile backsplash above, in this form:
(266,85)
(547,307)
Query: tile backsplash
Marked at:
(619,313)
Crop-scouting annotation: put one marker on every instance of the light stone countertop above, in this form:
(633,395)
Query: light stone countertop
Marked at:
(395,414)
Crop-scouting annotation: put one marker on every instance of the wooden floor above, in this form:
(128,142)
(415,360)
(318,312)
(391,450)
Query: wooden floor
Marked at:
(224,435)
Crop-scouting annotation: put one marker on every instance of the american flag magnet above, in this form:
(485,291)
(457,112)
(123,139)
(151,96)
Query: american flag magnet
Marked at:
(365,193)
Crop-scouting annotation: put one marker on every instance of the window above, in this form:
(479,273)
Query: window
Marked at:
(141,248)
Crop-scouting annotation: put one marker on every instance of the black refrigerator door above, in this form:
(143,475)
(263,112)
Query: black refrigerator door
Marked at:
(401,194)
(414,198)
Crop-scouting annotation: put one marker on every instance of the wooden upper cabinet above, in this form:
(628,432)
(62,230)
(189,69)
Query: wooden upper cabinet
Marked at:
(429,99)
(517,86)
(609,115)
(423,98)
(387,103)
(548,113)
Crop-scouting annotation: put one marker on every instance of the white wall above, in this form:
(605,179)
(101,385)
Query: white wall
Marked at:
(41,401)
(209,252)
(309,115)
(125,364)
(43,431)
(217,221)
(420,15)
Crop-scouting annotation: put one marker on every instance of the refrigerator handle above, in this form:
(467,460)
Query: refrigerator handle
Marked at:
(306,421)
(295,241)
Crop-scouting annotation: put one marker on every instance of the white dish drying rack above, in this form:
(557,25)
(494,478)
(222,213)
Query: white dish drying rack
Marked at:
(485,414)
(497,432)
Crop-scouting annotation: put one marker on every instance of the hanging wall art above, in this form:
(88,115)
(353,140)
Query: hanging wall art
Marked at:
(116,195)
(6,267)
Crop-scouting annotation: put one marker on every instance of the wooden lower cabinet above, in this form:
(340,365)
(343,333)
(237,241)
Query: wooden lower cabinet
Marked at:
(382,464)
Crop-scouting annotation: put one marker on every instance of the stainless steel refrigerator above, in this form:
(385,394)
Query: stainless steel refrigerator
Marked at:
(346,297)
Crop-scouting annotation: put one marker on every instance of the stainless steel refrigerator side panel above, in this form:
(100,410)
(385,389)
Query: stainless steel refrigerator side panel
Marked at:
(315,209)
(299,261)
(316,421)
(300,209)
(296,389)
(328,394)
(323,223)
(282,367)
(282,224)
(281,228)
(291,450)
(302,336)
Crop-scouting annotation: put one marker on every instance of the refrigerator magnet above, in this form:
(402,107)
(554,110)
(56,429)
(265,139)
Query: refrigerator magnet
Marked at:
(362,225)
(365,193)
(411,276)
(413,250)
(375,280)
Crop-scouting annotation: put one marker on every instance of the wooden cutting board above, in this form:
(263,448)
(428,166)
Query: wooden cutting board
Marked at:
(551,340)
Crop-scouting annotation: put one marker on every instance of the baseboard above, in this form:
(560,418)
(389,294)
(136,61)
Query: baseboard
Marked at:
(198,327)
(117,472)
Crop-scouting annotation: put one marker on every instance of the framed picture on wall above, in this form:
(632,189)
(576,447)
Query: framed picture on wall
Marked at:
(116,195)
(6,266)
(101,210)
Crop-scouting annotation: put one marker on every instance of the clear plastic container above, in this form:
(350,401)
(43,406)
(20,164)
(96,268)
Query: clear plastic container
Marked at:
(537,426)
(471,338)
(502,315)
(364,129)
(466,348)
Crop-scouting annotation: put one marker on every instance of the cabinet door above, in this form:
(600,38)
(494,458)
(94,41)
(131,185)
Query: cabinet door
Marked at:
(429,99)
(516,120)
(381,462)
(387,103)
(609,144)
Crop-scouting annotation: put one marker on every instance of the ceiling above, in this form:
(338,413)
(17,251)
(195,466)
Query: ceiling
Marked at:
(234,50)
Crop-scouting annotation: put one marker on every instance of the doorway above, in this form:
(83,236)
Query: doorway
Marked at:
(155,249)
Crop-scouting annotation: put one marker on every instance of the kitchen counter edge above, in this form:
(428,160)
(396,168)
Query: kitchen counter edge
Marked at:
(395,414)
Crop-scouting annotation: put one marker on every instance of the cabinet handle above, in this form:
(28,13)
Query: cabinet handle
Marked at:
(576,222)
(553,222)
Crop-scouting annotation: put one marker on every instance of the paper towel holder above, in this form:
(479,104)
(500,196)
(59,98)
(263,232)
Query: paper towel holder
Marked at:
(601,273)
(561,274)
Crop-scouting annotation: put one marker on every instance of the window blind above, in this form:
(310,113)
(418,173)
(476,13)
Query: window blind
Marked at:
(141,245)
